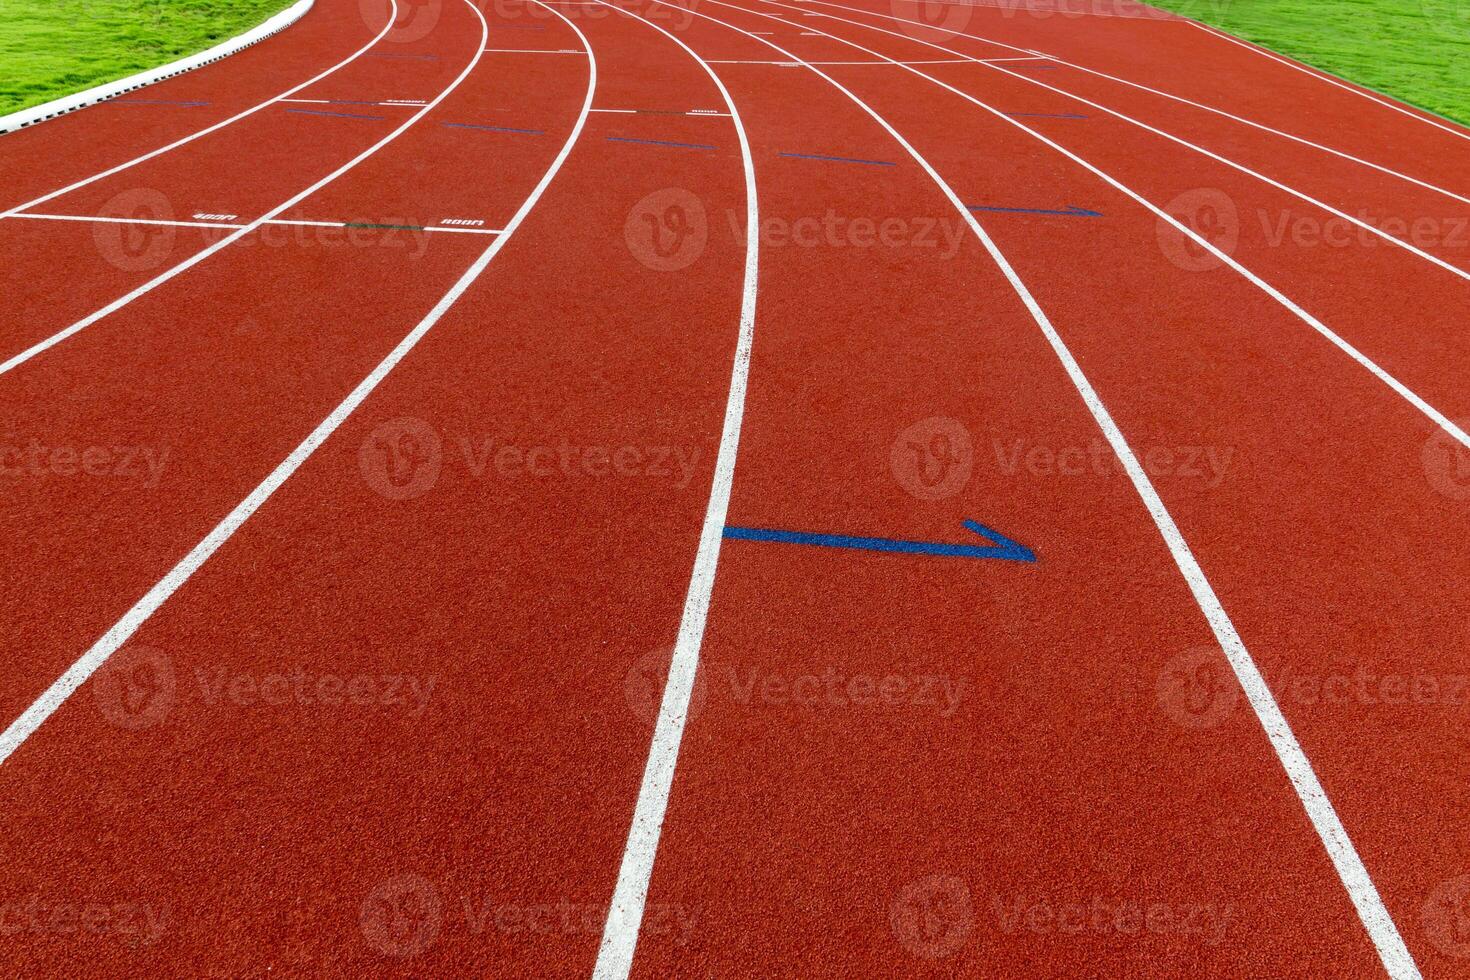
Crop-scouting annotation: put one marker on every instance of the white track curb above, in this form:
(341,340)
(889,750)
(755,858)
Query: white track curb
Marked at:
(70,103)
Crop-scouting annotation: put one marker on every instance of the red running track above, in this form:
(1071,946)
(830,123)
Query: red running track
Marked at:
(371,430)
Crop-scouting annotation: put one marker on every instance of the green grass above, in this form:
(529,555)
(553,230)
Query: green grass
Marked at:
(1417,51)
(51,48)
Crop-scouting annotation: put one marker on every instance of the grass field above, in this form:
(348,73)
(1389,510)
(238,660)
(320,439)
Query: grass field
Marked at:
(51,49)
(1417,51)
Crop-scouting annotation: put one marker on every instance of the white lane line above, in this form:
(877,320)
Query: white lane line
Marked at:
(76,675)
(1268,129)
(625,911)
(1198,105)
(1299,195)
(1242,168)
(93,219)
(296,222)
(1334,80)
(392,16)
(1398,387)
(227,240)
(531,51)
(1376,920)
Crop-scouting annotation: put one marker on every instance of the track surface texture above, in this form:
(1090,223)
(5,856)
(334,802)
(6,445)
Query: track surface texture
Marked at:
(744,488)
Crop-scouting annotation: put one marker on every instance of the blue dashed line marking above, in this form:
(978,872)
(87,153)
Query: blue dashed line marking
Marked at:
(816,156)
(1071,211)
(342,115)
(494,129)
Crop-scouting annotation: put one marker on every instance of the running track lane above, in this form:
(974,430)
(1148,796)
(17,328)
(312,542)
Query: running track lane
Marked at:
(469,583)
(252,169)
(1369,200)
(1354,485)
(1201,65)
(1371,474)
(1341,283)
(74,147)
(820,877)
(221,375)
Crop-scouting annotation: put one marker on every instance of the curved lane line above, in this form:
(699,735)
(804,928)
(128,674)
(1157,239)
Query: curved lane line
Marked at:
(193,260)
(392,16)
(76,675)
(630,893)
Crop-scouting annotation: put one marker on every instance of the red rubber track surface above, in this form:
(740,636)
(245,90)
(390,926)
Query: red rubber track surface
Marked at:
(398,723)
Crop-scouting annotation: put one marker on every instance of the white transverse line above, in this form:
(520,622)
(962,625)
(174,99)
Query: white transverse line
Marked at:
(129,221)
(1350,869)
(392,16)
(1298,769)
(1176,98)
(225,242)
(273,221)
(32,718)
(625,911)
(1398,387)
(1332,80)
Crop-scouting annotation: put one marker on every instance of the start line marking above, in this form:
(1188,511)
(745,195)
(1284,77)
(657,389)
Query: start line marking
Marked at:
(668,112)
(454,224)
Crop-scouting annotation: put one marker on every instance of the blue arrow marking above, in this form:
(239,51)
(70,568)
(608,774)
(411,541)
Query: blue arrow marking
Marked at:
(1072,211)
(1004,548)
